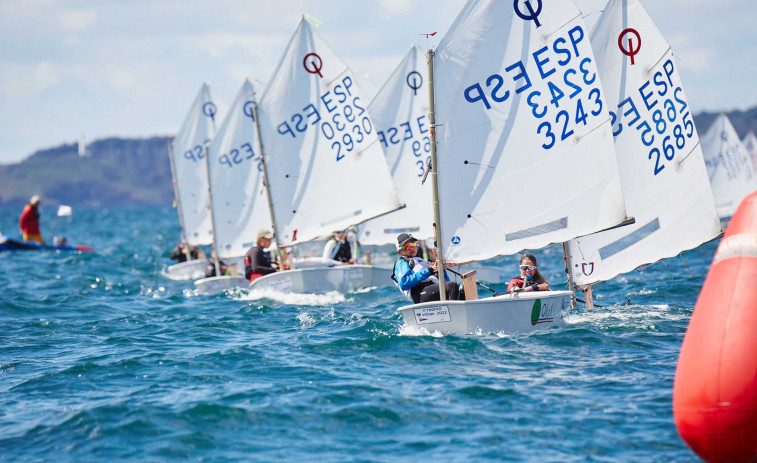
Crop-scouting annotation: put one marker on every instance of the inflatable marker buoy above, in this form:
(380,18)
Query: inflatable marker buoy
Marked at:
(715,389)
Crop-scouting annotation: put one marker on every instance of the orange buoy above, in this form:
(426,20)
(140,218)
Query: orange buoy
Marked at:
(715,389)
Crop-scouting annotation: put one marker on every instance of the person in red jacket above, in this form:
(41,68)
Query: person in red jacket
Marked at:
(529,279)
(29,221)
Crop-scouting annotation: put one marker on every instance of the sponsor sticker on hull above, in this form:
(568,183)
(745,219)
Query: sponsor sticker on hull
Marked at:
(434,314)
(355,273)
(282,283)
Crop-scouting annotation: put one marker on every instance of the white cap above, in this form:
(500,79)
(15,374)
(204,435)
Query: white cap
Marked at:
(34,200)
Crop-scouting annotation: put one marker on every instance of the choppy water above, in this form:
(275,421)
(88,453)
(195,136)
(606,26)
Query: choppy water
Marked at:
(101,358)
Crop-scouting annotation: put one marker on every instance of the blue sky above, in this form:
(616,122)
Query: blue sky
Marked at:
(131,68)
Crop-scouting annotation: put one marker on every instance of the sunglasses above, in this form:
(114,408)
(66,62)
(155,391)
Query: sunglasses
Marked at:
(528,267)
(407,246)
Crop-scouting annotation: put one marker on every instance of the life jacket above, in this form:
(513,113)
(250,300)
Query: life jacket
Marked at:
(342,251)
(248,270)
(416,265)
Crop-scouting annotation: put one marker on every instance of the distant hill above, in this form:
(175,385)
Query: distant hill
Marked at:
(123,172)
(114,172)
(743,121)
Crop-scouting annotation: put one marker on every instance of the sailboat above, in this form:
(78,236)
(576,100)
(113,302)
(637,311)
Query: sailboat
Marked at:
(239,204)
(729,166)
(750,143)
(325,166)
(400,113)
(190,179)
(526,155)
(662,169)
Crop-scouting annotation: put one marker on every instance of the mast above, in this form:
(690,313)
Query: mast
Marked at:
(176,196)
(267,187)
(434,179)
(568,274)
(212,216)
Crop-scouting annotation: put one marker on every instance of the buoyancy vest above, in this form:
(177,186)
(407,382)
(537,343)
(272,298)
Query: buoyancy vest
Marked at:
(416,264)
(342,251)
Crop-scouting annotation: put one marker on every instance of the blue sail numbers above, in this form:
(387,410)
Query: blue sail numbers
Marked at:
(564,71)
(519,100)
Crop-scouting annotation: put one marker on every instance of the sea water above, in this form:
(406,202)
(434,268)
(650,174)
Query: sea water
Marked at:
(103,359)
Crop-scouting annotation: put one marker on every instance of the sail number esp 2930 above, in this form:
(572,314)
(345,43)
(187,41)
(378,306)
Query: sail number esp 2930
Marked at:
(345,123)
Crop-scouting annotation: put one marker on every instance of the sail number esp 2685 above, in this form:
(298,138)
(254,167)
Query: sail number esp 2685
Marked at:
(661,117)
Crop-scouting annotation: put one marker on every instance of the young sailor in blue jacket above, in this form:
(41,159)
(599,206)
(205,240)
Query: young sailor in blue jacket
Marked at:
(416,278)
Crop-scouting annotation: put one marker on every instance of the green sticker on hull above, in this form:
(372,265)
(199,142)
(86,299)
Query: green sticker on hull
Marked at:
(536,312)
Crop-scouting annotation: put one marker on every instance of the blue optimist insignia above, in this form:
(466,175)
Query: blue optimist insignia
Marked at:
(455,240)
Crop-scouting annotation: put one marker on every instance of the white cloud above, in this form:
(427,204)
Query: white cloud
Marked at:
(77,20)
(395,7)
(21,82)
(221,44)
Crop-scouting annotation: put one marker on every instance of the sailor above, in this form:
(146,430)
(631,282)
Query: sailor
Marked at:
(257,261)
(179,253)
(210,266)
(338,249)
(416,278)
(29,221)
(530,279)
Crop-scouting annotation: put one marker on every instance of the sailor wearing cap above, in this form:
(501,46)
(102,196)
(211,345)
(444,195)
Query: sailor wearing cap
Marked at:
(257,261)
(415,277)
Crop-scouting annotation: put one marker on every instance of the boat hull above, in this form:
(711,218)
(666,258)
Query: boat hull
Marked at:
(315,280)
(10,244)
(215,285)
(506,314)
(189,270)
(195,269)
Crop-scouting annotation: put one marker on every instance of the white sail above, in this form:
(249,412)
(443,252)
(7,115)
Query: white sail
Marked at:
(750,143)
(240,205)
(190,174)
(325,164)
(525,146)
(400,113)
(729,166)
(662,170)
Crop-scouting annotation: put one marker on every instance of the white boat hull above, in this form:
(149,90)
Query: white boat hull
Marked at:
(314,280)
(189,270)
(215,285)
(506,314)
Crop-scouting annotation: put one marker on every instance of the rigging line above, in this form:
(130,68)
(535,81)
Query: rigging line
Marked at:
(582,301)
(477,283)
(680,161)
(687,265)
(478,164)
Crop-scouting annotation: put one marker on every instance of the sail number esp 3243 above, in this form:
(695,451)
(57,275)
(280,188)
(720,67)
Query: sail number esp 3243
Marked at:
(560,83)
